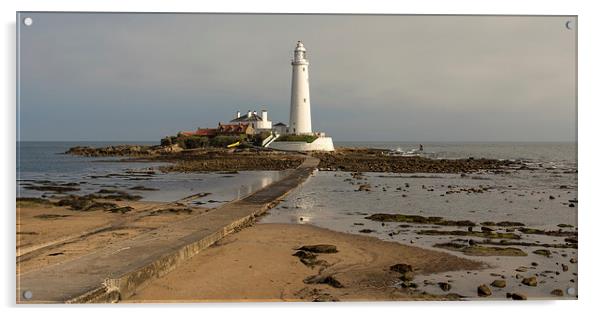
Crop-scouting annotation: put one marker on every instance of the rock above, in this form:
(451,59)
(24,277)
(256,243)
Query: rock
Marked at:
(52,188)
(565,268)
(571,205)
(486,229)
(364,187)
(573,260)
(122,210)
(469,232)
(477,250)
(305,255)
(321,248)
(407,284)
(445,286)
(435,220)
(531,281)
(542,252)
(319,279)
(557,292)
(499,283)
(50,216)
(407,276)
(86,203)
(552,197)
(402,268)
(507,224)
(142,188)
(483,290)
(366,231)
(518,297)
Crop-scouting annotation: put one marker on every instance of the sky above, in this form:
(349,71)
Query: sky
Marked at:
(141,77)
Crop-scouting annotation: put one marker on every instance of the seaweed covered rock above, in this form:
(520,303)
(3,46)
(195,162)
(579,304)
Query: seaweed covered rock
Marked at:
(499,283)
(444,286)
(530,281)
(483,290)
(542,252)
(557,292)
(434,220)
(320,248)
(406,270)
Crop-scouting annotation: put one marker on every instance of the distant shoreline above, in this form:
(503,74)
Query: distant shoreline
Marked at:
(343,159)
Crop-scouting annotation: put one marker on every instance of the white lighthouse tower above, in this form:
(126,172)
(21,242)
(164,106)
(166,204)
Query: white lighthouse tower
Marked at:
(300,117)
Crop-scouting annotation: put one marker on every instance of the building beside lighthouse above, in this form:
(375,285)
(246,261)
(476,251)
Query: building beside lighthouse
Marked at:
(300,111)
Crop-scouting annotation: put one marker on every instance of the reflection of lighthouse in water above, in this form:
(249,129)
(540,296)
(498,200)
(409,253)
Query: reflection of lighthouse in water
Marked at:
(300,116)
(262,180)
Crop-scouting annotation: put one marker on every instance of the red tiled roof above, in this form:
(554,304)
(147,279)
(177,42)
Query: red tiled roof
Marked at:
(232,128)
(201,132)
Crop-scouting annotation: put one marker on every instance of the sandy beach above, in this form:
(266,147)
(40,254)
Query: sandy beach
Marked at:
(257,264)
(48,234)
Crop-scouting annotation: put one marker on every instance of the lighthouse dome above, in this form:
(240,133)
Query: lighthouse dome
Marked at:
(300,46)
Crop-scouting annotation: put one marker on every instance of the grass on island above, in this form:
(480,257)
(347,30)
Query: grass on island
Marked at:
(297,138)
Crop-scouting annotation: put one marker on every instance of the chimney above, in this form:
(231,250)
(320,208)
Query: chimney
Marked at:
(237,114)
(264,115)
(249,114)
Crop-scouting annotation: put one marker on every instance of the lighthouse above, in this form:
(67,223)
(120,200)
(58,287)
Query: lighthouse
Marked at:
(300,116)
(300,135)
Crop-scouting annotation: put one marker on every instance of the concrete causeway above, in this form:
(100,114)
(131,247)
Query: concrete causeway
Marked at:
(116,271)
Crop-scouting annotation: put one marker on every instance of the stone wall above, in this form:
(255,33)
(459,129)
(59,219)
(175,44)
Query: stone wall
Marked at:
(320,144)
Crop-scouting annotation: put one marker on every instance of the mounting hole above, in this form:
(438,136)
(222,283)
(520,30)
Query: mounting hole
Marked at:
(27,295)
(28,21)
(571,291)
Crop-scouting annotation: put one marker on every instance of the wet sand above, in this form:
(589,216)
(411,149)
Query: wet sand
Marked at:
(257,264)
(523,224)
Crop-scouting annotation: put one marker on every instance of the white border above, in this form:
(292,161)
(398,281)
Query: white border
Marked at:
(589,149)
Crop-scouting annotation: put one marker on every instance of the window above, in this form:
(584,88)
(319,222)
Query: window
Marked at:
(304,100)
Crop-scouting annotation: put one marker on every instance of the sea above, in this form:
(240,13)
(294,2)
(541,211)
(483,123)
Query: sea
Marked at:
(542,196)
(45,163)
(49,157)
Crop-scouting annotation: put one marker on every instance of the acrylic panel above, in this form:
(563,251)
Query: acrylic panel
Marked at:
(196,157)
